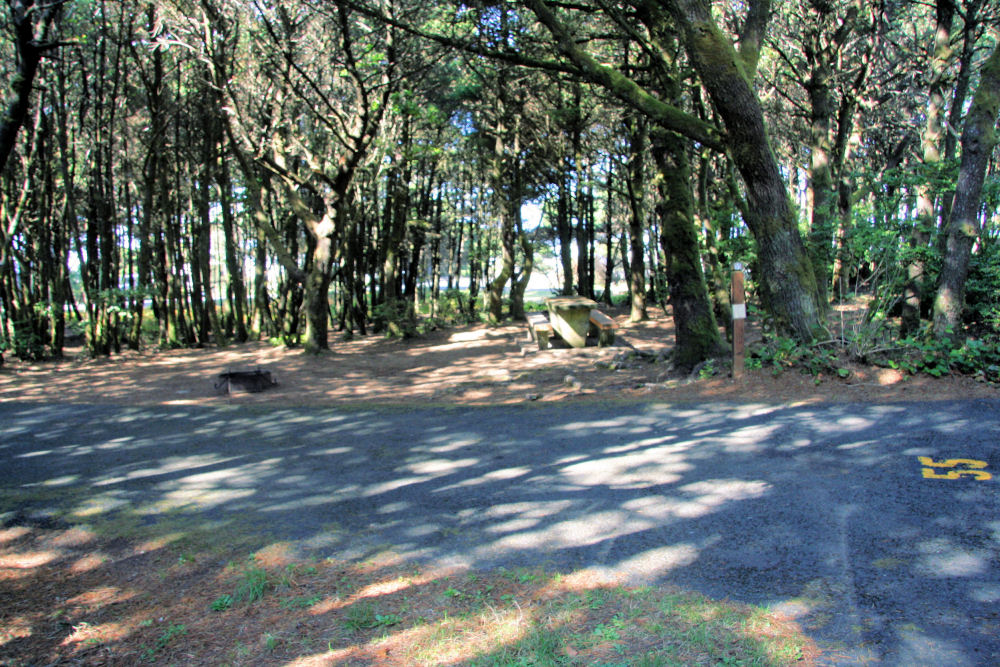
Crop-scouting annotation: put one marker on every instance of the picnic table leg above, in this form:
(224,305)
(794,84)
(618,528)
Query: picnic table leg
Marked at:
(572,325)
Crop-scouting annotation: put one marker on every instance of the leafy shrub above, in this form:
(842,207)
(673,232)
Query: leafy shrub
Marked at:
(396,318)
(982,289)
(25,343)
(936,357)
(782,353)
(454,306)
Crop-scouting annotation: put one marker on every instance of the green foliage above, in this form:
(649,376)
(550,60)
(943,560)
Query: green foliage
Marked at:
(396,318)
(927,354)
(451,308)
(363,616)
(781,353)
(174,631)
(982,289)
(222,603)
(872,342)
(25,343)
(253,585)
(301,602)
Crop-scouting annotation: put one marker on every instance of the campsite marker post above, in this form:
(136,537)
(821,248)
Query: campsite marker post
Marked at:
(739,319)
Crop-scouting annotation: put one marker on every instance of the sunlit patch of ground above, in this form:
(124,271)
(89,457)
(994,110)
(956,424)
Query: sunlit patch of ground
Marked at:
(460,366)
(176,607)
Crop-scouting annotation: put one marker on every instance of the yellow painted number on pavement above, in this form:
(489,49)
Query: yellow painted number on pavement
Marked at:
(971,468)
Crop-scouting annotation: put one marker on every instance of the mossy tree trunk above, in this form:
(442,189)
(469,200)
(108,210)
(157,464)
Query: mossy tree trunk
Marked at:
(502,199)
(915,285)
(820,50)
(787,279)
(978,140)
(696,331)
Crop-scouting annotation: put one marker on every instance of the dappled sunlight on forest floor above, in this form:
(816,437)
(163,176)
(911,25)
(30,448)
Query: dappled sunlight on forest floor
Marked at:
(464,366)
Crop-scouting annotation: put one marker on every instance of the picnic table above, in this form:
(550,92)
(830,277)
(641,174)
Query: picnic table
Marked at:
(570,317)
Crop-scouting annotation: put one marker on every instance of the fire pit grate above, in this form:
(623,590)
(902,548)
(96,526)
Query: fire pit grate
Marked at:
(245,381)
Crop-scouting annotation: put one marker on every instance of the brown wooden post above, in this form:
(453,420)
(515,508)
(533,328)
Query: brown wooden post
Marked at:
(739,318)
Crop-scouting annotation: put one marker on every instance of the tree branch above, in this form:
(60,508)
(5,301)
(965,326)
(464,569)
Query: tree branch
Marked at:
(624,88)
(752,36)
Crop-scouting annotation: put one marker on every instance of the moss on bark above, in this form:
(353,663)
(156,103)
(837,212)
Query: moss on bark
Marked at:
(696,331)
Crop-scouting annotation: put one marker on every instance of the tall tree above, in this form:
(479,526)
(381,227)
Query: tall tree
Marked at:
(31,25)
(788,282)
(335,77)
(931,144)
(978,141)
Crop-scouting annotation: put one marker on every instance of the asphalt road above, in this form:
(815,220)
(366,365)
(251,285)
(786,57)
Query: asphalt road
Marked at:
(823,512)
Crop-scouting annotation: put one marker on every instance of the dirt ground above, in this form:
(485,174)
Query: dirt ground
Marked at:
(471,365)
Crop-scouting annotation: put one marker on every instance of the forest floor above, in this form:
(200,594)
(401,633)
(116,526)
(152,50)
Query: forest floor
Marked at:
(467,365)
(72,595)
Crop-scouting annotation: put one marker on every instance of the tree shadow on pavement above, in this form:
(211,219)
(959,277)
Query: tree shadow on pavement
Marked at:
(821,513)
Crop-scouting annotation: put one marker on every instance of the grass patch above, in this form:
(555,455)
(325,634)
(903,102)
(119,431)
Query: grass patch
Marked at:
(378,612)
(253,585)
(167,637)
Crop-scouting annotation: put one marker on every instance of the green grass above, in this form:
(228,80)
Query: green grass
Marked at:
(363,611)
(605,626)
(253,585)
(171,633)
(364,616)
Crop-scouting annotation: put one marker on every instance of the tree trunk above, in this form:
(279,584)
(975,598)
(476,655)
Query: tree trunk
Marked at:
(978,140)
(317,300)
(507,249)
(821,111)
(584,277)
(237,285)
(697,334)
(636,185)
(520,283)
(609,237)
(926,222)
(787,278)
(204,255)
(564,229)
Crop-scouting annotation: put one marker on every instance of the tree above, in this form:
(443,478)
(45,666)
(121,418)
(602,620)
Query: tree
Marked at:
(339,87)
(24,317)
(788,281)
(931,144)
(978,141)
(31,25)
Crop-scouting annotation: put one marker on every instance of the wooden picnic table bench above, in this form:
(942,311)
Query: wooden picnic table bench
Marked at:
(539,329)
(603,326)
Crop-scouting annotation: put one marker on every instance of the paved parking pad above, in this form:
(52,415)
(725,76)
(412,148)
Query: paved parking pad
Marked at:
(875,526)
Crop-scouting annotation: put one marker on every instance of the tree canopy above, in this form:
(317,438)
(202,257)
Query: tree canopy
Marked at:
(191,172)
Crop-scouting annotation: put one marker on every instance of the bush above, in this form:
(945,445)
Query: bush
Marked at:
(982,290)
(454,306)
(25,343)
(979,357)
(782,353)
(396,318)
